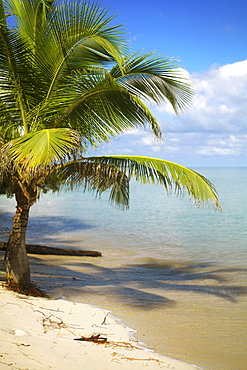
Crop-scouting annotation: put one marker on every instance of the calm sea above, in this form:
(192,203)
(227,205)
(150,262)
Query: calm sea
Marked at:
(174,272)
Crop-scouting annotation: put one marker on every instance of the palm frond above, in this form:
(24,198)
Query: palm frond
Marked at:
(98,107)
(44,148)
(30,18)
(19,81)
(153,77)
(173,177)
(96,178)
(78,35)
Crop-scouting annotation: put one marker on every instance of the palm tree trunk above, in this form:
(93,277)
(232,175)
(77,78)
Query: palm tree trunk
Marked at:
(16,260)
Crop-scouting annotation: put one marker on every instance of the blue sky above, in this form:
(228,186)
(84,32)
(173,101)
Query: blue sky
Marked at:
(209,40)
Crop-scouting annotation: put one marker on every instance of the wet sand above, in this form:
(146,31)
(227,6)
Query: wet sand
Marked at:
(197,316)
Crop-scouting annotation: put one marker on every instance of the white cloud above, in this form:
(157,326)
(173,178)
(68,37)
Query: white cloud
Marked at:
(213,131)
(235,69)
(210,150)
(219,103)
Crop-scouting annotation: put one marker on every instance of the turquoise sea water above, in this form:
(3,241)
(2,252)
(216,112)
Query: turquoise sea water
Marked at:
(172,271)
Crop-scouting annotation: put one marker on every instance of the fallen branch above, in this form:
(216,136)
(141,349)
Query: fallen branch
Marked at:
(141,359)
(44,250)
(53,323)
(94,338)
(104,321)
(125,345)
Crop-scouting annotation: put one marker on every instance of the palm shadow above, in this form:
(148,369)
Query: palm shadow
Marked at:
(43,228)
(143,286)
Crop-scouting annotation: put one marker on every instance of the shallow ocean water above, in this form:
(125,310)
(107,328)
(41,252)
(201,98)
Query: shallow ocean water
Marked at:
(175,273)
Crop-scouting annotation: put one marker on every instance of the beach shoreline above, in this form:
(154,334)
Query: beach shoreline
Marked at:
(39,333)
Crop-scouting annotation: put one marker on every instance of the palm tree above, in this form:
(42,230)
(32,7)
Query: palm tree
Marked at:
(68,83)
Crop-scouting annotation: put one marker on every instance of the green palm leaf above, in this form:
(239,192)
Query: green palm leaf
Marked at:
(172,176)
(77,35)
(153,77)
(97,106)
(43,148)
(97,178)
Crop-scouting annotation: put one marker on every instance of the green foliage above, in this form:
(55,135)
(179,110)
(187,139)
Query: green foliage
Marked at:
(68,82)
(45,147)
(175,178)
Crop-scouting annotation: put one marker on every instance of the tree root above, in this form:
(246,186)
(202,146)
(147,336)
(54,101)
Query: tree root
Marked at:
(29,290)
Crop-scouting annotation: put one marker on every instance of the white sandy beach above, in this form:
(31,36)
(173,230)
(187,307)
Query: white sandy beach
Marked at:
(39,333)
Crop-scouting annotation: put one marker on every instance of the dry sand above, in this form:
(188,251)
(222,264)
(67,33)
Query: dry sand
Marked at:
(39,333)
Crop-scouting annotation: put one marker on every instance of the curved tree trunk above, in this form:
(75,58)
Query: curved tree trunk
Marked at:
(16,260)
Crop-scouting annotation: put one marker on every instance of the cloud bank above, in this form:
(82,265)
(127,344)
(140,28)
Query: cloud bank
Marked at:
(212,132)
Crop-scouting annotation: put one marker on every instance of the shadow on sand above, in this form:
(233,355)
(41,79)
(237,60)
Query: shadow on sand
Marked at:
(143,286)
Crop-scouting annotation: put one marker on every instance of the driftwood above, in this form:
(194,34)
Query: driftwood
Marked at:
(42,249)
(94,338)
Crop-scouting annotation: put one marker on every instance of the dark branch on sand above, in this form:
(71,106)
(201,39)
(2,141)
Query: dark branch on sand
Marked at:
(42,249)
